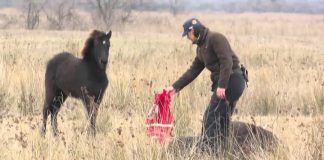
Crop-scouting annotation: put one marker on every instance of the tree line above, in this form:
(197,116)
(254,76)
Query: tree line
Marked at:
(106,13)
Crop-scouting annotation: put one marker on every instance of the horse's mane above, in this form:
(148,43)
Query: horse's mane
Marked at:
(86,51)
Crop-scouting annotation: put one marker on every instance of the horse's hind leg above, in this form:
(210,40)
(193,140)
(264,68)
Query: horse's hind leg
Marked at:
(50,91)
(46,112)
(54,98)
(56,105)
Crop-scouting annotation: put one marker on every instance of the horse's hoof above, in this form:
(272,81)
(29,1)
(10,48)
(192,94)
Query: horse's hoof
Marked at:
(55,132)
(91,132)
(42,132)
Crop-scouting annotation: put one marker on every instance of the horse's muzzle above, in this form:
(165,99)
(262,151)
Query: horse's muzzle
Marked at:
(104,62)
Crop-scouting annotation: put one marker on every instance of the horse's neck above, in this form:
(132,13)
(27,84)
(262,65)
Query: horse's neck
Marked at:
(93,68)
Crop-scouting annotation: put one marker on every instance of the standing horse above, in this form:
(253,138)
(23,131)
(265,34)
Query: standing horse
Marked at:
(84,78)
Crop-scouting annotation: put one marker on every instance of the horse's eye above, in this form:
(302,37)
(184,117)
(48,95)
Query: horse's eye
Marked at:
(103,42)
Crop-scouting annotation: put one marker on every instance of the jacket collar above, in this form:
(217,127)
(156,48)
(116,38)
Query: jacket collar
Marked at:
(202,37)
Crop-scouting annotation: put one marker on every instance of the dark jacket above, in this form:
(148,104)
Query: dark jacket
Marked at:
(215,53)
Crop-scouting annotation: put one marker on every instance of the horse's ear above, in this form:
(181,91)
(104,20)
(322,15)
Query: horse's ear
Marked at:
(108,34)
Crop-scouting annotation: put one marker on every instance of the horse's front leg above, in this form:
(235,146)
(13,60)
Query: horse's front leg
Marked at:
(93,118)
(92,110)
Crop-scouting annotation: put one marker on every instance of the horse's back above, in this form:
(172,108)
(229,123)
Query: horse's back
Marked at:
(60,64)
(70,74)
(246,137)
(60,58)
(245,133)
(249,137)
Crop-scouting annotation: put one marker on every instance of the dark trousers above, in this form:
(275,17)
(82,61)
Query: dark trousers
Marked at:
(215,130)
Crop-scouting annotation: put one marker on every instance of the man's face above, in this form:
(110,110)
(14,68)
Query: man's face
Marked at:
(191,36)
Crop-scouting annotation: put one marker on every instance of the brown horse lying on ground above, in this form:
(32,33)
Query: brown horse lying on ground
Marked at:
(246,138)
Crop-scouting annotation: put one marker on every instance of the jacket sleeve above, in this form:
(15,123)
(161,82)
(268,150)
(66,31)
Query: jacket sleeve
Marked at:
(223,51)
(194,70)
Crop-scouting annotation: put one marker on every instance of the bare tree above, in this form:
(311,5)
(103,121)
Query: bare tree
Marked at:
(58,13)
(32,11)
(110,12)
(6,21)
(175,6)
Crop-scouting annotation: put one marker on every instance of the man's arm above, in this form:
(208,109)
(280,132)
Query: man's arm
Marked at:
(194,70)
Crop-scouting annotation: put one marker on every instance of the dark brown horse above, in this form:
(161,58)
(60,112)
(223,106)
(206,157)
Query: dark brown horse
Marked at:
(245,138)
(84,78)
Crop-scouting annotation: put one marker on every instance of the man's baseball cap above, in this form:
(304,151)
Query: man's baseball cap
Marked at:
(189,24)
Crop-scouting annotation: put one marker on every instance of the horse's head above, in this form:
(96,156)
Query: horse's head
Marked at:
(101,49)
(97,48)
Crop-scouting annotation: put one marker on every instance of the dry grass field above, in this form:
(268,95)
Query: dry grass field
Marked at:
(283,52)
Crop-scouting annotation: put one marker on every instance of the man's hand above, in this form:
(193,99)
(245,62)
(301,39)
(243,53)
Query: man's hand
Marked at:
(171,90)
(220,92)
